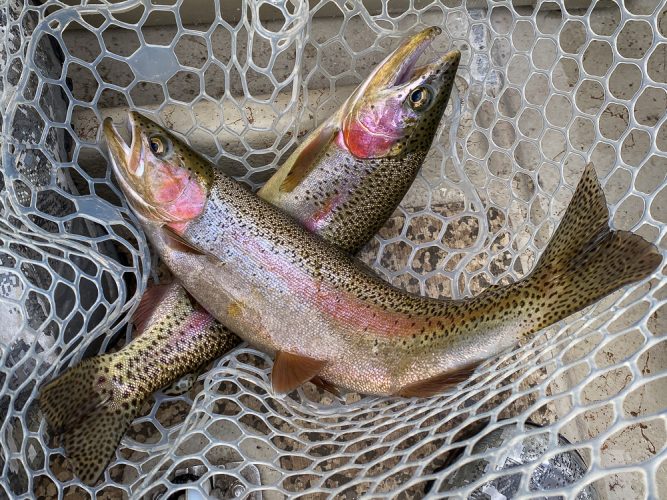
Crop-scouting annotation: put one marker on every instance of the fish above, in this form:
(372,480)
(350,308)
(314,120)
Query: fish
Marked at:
(316,159)
(322,313)
(352,173)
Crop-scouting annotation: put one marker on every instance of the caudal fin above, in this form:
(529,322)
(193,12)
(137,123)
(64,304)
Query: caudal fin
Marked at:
(585,260)
(83,405)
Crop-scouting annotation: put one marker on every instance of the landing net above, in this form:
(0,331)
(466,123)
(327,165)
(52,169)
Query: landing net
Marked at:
(579,412)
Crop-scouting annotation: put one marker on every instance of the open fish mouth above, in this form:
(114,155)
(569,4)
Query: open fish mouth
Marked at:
(400,67)
(433,67)
(125,160)
(418,45)
(123,155)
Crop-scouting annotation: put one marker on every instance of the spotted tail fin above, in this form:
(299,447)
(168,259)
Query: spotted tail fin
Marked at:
(586,260)
(84,407)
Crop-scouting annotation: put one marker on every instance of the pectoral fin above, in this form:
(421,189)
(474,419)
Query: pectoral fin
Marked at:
(439,383)
(291,370)
(177,242)
(306,160)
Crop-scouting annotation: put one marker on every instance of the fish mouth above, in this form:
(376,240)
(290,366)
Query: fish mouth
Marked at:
(125,158)
(400,67)
(438,67)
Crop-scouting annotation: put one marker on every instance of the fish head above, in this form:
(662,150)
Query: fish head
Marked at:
(398,108)
(162,178)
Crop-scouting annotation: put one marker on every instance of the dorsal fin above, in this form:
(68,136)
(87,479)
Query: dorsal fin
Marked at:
(291,370)
(151,298)
(306,160)
(439,383)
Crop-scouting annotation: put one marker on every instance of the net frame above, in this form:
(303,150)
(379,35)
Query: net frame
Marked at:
(74,263)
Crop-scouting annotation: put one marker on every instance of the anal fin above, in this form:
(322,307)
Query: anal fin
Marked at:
(439,383)
(291,370)
(150,300)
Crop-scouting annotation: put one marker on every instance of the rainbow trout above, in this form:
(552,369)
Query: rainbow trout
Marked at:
(324,314)
(77,403)
(349,177)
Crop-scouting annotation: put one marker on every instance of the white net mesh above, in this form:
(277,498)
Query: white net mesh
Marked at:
(542,89)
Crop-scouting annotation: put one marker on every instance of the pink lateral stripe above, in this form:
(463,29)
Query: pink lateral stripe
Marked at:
(341,307)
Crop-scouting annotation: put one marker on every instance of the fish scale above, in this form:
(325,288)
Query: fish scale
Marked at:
(290,292)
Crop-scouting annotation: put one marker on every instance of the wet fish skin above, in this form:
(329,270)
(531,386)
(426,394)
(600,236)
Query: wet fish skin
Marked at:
(285,290)
(608,242)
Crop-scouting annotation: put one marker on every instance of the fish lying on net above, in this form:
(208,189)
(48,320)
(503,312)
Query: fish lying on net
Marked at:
(290,292)
(343,190)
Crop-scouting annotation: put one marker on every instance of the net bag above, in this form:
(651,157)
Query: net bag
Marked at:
(580,411)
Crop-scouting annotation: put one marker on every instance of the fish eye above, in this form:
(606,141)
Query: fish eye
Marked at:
(158,145)
(420,98)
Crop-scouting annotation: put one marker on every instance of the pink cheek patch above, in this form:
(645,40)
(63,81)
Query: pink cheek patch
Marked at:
(189,204)
(372,132)
(362,144)
(166,184)
(179,197)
